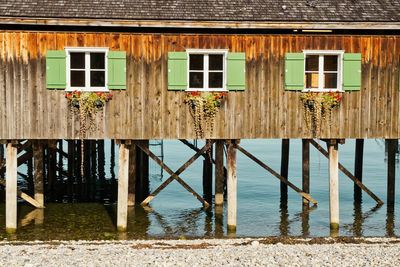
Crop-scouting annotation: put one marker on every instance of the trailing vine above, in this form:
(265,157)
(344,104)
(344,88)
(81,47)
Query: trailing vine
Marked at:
(203,107)
(86,105)
(318,107)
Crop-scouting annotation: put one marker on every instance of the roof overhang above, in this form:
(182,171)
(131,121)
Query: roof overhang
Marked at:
(202,24)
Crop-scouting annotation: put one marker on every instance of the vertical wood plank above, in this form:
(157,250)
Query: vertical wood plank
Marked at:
(333,185)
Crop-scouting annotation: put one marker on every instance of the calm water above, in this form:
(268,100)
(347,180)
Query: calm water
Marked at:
(175,212)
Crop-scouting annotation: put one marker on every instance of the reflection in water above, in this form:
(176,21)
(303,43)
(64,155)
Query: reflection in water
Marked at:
(284,225)
(390,221)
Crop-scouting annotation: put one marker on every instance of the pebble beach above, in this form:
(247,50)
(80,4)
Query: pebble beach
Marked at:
(204,252)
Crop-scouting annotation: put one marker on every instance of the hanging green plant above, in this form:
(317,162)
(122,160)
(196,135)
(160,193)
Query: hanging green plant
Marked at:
(203,107)
(86,105)
(317,107)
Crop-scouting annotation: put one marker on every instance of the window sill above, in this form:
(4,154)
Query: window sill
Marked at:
(322,90)
(87,90)
(206,90)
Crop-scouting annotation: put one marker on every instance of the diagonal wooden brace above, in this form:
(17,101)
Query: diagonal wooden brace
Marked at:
(24,196)
(175,175)
(345,171)
(259,162)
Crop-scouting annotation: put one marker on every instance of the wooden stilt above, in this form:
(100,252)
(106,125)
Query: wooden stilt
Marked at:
(132,175)
(358,166)
(11,188)
(306,169)
(51,166)
(345,171)
(38,172)
(71,165)
(333,184)
(231,183)
(29,176)
(392,145)
(219,172)
(284,168)
(207,176)
(142,172)
(123,180)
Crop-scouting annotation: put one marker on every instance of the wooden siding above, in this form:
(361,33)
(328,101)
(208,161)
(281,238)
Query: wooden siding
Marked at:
(146,110)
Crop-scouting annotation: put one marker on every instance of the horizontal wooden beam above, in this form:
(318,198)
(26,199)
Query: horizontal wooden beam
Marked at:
(203,24)
(345,171)
(259,162)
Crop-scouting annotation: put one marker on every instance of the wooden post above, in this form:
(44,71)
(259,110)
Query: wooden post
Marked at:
(71,164)
(358,167)
(333,184)
(123,180)
(392,145)
(132,175)
(11,188)
(306,170)
(231,186)
(38,172)
(284,168)
(219,172)
(142,173)
(207,176)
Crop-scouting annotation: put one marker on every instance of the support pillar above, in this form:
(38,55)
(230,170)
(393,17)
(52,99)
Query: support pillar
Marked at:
(123,173)
(231,186)
(132,175)
(358,167)
(142,173)
(306,170)
(392,145)
(284,169)
(333,184)
(207,176)
(11,188)
(219,172)
(38,172)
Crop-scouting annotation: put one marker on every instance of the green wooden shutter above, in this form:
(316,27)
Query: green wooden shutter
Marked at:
(236,71)
(294,71)
(351,71)
(56,69)
(177,71)
(116,70)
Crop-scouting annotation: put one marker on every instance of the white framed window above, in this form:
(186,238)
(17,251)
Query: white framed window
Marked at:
(86,69)
(323,70)
(206,70)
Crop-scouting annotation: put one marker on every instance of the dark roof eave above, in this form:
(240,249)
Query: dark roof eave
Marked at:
(363,25)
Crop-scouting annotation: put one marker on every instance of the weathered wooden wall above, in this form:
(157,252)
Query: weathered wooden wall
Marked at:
(146,110)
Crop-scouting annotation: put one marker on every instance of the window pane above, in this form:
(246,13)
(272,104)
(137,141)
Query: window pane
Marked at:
(77,78)
(196,80)
(97,78)
(215,80)
(311,80)
(312,63)
(77,60)
(330,63)
(97,61)
(196,62)
(215,62)
(330,80)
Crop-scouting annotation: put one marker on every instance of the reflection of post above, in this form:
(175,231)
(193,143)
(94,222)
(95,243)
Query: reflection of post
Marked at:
(37,215)
(284,169)
(123,169)
(232,186)
(11,188)
(358,219)
(333,184)
(284,225)
(218,221)
(390,221)
(208,222)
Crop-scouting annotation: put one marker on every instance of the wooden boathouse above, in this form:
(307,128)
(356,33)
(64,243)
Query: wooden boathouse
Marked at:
(264,56)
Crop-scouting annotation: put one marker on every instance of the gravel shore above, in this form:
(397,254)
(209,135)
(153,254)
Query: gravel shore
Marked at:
(204,252)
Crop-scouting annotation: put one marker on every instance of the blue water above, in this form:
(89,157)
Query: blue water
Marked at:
(175,212)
